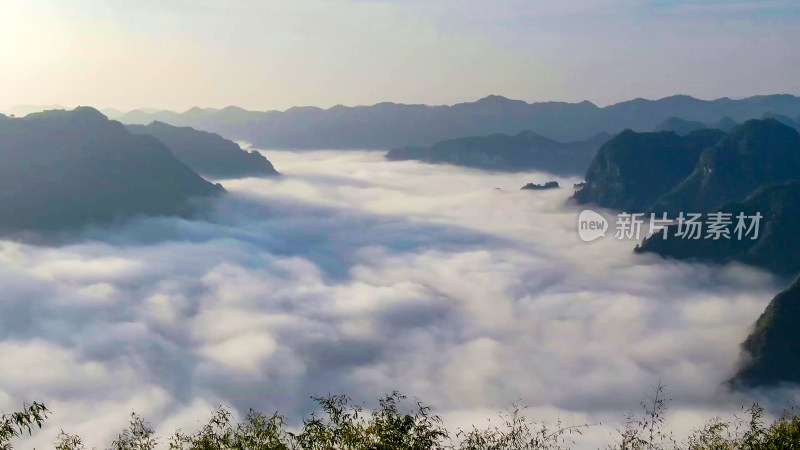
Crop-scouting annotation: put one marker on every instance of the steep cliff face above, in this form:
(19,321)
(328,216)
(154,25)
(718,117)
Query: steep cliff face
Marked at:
(754,154)
(633,170)
(772,351)
(777,244)
(664,172)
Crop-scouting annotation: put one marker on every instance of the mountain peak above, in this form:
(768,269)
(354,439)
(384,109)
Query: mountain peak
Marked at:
(87,112)
(771,124)
(196,111)
(233,109)
(298,109)
(786,120)
(81,113)
(102,173)
(496,99)
(680,126)
(679,97)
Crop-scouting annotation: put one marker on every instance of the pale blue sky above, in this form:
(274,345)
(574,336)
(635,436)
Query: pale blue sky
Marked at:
(278,54)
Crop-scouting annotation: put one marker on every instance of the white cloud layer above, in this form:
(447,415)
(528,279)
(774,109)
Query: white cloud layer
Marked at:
(352,274)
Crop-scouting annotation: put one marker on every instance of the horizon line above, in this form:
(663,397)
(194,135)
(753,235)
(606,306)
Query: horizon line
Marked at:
(148,110)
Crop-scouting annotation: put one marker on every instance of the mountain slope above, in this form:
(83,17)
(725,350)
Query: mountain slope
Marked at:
(786,120)
(207,153)
(772,351)
(754,154)
(663,172)
(524,151)
(632,170)
(65,169)
(776,249)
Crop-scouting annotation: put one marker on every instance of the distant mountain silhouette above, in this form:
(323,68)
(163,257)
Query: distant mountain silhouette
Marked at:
(207,153)
(24,110)
(772,351)
(64,169)
(391,125)
(725,124)
(680,126)
(524,151)
(786,120)
(633,170)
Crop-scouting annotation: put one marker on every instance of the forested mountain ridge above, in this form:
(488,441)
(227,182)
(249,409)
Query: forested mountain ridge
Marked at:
(65,169)
(633,170)
(208,154)
(523,151)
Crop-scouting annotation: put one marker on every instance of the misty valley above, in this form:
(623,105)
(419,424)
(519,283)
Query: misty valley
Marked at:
(399,225)
(353,271)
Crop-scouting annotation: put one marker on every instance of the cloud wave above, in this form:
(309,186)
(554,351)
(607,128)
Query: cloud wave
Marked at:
(353,274)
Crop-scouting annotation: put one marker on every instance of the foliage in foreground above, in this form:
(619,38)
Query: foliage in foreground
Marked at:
(338,424)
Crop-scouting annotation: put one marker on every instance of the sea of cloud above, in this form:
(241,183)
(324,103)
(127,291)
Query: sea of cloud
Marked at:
(351,274)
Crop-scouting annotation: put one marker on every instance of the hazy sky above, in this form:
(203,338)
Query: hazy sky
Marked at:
(277,54)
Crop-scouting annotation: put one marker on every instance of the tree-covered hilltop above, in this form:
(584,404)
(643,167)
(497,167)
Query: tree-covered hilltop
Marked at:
(664,172)
(208,154)
(772,351)
(754,154)
(65,169)
(633,170)
(339,424)
(523,151)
